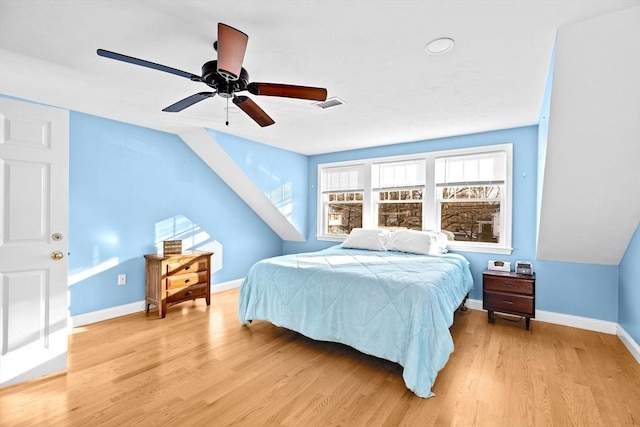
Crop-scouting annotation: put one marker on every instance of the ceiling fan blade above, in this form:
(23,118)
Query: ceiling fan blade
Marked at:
(142,62)
(252,109)
(231,45)
(188,102)
(288,91)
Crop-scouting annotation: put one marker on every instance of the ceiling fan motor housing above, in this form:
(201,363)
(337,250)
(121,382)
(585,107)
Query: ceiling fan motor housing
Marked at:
(224,87)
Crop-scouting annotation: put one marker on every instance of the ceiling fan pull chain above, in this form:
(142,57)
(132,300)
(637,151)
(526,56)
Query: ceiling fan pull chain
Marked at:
(227,122)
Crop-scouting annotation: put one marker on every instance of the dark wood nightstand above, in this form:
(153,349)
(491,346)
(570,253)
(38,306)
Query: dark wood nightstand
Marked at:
(509,293)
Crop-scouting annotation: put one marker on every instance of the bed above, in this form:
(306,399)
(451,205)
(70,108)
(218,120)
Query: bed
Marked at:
(390,304)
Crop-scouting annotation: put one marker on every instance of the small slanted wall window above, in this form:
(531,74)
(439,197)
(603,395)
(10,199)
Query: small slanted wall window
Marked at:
(464,192)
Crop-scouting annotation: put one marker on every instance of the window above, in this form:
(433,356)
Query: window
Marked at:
(470,195)
(398,188)
(466,193)
(342,190)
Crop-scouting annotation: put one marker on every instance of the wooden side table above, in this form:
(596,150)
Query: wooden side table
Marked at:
(172,279)
(509,293)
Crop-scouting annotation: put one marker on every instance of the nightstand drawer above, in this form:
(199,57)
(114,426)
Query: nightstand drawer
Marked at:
(500,301)
(187,279)
(508,284)
(191,292)
(180,266)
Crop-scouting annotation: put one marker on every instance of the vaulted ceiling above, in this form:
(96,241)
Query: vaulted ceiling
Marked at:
(370,54)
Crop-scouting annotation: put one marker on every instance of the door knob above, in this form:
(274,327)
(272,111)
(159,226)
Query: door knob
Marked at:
(57,255)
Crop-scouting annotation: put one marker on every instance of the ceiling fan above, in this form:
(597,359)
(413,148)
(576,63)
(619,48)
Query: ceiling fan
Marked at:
(227,77)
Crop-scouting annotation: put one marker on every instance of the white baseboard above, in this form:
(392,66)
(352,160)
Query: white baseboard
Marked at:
(628,342)
(563,319)
(474,304)
(106,314)
(134,307)
(225,286)
(579,322)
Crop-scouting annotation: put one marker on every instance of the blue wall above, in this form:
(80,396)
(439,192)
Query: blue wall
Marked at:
(280,174)
(577,289)
(629,293)
(131,187)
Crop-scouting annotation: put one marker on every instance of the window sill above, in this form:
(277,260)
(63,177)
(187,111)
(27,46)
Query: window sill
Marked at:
(331,238)
(479,248)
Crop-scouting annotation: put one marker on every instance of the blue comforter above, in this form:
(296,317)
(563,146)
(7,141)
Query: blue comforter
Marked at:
(392,305)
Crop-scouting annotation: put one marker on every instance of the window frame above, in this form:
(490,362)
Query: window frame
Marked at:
(431,207)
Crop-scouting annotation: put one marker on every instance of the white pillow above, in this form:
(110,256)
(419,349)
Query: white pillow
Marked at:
(439,241)
(360,238)
(417,242)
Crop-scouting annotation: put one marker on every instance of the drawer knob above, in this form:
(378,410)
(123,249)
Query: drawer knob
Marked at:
(507,302)
(187,267)
(187,280)
(507,285)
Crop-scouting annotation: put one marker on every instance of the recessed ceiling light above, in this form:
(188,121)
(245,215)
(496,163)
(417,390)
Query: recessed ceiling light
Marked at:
(438,46)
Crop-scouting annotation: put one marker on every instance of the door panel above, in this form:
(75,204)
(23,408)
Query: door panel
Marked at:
(27,216)
(25,302)
(34,198)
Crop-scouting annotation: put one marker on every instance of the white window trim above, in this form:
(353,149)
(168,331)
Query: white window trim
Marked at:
(431,215)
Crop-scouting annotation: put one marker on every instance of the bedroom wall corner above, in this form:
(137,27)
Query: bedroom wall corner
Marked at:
(629,289)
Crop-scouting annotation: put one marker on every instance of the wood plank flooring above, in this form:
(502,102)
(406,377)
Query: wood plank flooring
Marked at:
(199,367)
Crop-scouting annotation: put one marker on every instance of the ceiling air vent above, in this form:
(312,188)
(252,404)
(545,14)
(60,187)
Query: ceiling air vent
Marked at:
(329,103)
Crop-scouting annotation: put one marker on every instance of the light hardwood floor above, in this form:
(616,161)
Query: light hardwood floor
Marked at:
(199,367)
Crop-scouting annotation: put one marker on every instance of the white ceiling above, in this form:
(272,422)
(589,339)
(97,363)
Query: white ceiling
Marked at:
(368,53)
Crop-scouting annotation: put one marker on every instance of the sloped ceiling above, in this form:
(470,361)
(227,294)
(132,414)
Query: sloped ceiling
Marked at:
(591,185)
(368,53)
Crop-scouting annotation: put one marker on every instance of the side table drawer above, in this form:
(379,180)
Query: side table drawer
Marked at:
(508,284)
(180,265)
(506,302)
(187,279)
(191,292)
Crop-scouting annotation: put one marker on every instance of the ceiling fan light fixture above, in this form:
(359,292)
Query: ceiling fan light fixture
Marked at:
(439,46)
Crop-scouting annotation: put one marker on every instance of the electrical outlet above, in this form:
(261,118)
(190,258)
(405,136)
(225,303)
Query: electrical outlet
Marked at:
(122,279)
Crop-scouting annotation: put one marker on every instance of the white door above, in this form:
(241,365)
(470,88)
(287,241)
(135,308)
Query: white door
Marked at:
(33,240)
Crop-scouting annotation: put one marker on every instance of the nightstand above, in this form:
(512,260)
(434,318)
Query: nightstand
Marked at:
(509,293)
(171,279)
